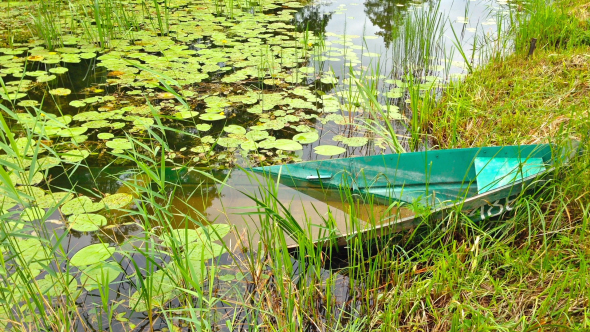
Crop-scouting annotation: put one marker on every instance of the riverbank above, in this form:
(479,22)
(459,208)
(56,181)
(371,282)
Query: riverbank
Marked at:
(530,272)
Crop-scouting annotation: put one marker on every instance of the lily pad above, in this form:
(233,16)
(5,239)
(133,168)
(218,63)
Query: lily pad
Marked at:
(52,199)
(99,275)
(329,150)
(34,213)
(92,254)
(81,205)
(203,251)
(212,116)
(306,138)
(75,156)
(203,127)
(286,145)
(105,136)
(117,201)
(25,179)
(54,286)
(72,132)
(58,70)
(86,222)
(235,129)
(257,135)
(119,144)
(186,114)
(60,92)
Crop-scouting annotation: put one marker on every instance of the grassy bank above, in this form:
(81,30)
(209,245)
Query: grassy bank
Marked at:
(528,273)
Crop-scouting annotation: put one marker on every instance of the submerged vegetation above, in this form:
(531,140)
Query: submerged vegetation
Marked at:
(122,120)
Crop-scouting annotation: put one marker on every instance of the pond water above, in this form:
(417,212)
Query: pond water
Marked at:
(211,85)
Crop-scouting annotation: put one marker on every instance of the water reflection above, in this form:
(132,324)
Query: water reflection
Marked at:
(388,15)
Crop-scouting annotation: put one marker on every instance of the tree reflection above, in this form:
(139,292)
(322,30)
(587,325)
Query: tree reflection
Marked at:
(388,15)
(312,18)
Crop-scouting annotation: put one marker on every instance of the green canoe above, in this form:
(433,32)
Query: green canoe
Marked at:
(483,182)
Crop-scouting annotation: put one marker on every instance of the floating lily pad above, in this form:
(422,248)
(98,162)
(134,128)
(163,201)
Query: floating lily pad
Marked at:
(117,201)
(46,78)
(203,251)
(52,199)
(34,213)
(186,114)
(119,144)
(162,289)
(47,163)
(86,222)
(51,285)
(212,116)
(28,103)
(105,136)
(71,132)
(75,156)
(58,70)
(81,205)
(94,253)
(249,146)
(257,135)
(25,178)
(329,150)
(306,138)
(235,129)
(60,92)
(77,103)
(286,145)
(203,126)
(99,275)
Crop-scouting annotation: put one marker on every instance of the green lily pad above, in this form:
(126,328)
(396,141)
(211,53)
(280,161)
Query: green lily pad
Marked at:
(52,199)
(54,285)
(329,150)
(186,114)
(257,135)
(306,138)
(34,213)
(203,127)
(119,144)
(81,205)
(60,92)
(77,103)
(92,254)
(46,78)
(58,70)
(249,146)
(73,131)
(47,163)
(28,103)
(235,129)
(105,136)
(162,289)
(203,251)
(99,275)
(212,116)
(86,222)
(75,156)
(117,201)
(23,178)
(286,145)
(97,124)
(204,234)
